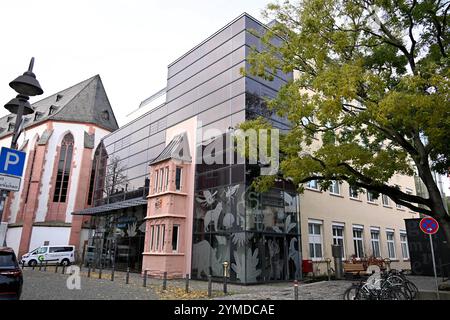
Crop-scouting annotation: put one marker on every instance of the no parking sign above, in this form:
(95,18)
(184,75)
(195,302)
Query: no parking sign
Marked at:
(429,225)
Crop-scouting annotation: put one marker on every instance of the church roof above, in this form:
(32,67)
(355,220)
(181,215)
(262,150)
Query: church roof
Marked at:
(83,102)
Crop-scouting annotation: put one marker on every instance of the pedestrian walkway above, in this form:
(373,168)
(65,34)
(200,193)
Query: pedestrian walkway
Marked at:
(40,284)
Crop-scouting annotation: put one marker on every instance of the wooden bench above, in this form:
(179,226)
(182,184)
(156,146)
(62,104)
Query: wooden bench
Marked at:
(354,269)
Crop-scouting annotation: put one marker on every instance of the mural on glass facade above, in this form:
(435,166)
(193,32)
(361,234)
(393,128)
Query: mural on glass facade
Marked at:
(256,233)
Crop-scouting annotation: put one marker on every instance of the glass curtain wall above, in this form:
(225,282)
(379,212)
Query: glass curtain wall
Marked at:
(256,233)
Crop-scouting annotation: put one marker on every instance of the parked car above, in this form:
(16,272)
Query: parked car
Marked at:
(61,254)
(11,278)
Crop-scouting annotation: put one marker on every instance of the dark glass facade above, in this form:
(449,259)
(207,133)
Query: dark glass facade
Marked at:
(258,234)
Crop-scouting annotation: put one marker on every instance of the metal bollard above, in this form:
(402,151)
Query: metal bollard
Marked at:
(89,270)
(225,285)
(45,266)
(127,280)
(56,268)
(40,266)
(328,260)
(165,281)
(144,284)
(295,290)
(209,286)
(100,271)
(63,269)
(112,272)
(34,265)
(187,283)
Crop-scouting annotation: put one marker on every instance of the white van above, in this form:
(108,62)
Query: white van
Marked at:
(64,255)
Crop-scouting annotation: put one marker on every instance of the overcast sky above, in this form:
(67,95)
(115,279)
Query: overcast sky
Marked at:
(129,43)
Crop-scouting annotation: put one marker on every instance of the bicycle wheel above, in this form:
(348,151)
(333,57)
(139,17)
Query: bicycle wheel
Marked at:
(351,292)
(412,288)
(393,293)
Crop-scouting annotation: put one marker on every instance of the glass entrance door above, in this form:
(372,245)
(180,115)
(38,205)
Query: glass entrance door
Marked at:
(275,258)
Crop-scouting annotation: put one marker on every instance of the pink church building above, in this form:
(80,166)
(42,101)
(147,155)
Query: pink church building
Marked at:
(59,139)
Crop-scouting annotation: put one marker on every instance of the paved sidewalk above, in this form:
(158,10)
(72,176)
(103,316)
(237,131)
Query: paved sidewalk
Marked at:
(51,285)
(40,285)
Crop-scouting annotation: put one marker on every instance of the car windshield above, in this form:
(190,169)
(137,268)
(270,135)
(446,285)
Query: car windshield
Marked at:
(7,260)
(42,250)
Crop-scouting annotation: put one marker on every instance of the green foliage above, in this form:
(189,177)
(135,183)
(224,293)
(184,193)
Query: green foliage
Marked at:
(370,96)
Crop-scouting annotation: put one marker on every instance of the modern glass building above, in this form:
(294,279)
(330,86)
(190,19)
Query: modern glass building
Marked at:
(258,235)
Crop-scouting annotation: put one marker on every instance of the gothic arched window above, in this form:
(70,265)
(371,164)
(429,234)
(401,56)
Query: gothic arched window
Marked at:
(64,164)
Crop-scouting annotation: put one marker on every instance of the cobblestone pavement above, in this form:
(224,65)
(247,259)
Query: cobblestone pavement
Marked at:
(51,285)
(40,285)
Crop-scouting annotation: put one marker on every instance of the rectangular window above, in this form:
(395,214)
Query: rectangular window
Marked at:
(157,237)
(404,244)
(166,170)
(375,239)
(358,242)
(338,237)
(313,184)
(399,206)
(353,192)
(315,241)
(385,200)
(370,196)
(161,179)
(334,187)
(390,244)
(175,235)
(178,181)
(152,239)
(163,236)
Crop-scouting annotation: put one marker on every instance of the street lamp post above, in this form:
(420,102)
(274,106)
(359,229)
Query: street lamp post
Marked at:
(25,85)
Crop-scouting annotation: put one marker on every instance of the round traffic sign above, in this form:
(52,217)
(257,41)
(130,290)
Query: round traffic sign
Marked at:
(429,225)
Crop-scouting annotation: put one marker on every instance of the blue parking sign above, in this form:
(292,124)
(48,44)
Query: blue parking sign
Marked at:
(12,162)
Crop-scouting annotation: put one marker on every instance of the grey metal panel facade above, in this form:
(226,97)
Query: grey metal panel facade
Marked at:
(205,82)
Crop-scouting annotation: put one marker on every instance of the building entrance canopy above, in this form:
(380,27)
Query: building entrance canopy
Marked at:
(107,208)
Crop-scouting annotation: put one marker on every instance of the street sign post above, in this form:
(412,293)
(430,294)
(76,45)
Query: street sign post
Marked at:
(430,226)
(12,163)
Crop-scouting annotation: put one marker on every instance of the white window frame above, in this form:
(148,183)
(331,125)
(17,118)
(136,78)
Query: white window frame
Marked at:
(358,255)
(158,227)
(335,185)
(370,199)
(377,241)
(315,239)
(336,238)
(166,178)
(152,240)
(388,201)
(404,245)
(155,190)
(398,206)
(391,242)
(163,231)
(350,193)
(308,185)
(161,180)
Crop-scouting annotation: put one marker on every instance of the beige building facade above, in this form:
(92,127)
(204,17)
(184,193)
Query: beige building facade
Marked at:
(365,226)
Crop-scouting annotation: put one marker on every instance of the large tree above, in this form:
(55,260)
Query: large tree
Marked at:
(370,98)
